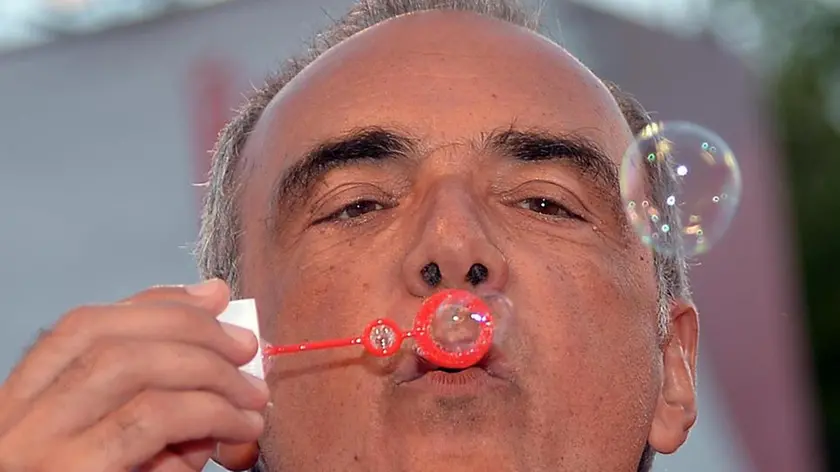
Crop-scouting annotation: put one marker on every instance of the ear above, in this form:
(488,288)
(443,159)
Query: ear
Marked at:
(237,457)
(676,409)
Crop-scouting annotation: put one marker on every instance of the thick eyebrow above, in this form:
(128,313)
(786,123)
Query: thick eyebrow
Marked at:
(360,145)
(537,145)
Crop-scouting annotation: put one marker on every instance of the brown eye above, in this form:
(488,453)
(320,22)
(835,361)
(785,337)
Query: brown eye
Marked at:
(545,206)
(357,209)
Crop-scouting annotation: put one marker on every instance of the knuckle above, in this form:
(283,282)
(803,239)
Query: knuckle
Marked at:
(107,353)
(78,319)
(140,416)
(131,424)
(151,404)
(104,358)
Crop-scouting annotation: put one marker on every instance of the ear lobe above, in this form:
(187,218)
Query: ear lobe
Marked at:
(676,409)
(237,457)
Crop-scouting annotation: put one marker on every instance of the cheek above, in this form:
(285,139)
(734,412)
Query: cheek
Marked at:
(319,292)
(323,411)
(594,344)
(593,316)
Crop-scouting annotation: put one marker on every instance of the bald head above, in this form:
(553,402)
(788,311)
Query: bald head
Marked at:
(470,63)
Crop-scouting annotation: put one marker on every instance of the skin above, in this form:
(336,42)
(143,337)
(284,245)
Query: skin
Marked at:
(582,380)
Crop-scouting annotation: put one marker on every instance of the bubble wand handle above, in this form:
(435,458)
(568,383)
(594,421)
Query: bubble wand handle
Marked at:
(311,346)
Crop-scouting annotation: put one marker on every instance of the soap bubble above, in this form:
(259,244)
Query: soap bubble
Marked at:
(455,328)
(694,212)
(501,308)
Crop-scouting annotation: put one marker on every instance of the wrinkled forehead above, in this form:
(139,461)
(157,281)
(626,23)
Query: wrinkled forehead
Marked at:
(446,76)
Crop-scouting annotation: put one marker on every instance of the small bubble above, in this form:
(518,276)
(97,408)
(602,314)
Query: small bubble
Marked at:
(383,337)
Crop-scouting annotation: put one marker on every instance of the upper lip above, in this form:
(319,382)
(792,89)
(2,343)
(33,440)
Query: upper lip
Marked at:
(411,367)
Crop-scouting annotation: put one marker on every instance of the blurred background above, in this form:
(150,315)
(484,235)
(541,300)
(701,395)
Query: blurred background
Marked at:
(108,108)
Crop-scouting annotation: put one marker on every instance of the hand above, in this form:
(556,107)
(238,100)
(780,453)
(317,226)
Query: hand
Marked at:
(149,383)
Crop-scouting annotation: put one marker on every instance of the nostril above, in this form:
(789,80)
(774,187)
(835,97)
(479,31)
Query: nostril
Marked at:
(431,274)
(477,274)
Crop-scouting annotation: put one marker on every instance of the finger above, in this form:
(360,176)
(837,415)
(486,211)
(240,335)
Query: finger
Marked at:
(144,427)
(167,461)
(163,320)
(211,294)
(190,456)
(237,457)
(113,373)
(194,453)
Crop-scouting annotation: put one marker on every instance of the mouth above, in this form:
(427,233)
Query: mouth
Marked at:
(418,372)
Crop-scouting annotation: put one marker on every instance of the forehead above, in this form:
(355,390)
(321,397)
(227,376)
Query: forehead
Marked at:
(446,76)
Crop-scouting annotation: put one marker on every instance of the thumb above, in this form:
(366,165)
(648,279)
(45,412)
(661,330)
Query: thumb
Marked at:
(238,457)
(192,455)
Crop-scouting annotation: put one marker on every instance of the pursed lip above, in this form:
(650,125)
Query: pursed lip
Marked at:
(492,367)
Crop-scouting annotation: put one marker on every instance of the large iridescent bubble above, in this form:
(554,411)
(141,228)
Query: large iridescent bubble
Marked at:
(696,209)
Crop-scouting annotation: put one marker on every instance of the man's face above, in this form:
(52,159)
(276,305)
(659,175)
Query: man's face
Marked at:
(452,139)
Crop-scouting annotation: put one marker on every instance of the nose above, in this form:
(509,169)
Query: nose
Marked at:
(453,250)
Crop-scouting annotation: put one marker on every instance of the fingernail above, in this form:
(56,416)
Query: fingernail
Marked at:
(255,418)
(259,384)
(240,335)
(202,289)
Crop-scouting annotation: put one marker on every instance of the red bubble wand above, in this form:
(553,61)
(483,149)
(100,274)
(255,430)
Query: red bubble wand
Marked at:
(450,312)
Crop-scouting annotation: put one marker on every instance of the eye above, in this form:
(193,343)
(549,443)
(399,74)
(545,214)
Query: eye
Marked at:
(354,210)
(547,207)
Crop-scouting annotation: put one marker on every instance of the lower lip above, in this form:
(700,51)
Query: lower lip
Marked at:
(470,381)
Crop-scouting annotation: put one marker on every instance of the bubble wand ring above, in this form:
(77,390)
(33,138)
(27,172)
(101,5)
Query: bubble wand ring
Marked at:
(425,336)
(383,337)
